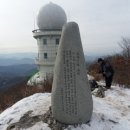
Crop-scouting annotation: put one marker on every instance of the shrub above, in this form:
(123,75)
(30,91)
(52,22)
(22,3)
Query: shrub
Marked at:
(121,67)
(21,90)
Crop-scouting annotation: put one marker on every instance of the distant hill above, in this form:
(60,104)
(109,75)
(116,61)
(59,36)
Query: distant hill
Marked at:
(13,74)
(29,58)
(90,58)
(17,58)
(17,67)
(14,61)
(18,55)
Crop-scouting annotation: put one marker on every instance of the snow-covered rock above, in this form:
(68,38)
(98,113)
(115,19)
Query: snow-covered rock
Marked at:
(35,80)
(36,104)
(110,113)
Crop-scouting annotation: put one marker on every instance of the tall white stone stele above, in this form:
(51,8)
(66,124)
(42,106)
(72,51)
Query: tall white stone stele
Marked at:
(71,95)
(50,21)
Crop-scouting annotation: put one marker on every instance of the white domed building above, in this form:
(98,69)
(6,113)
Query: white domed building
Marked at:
(50,21)
(51,17)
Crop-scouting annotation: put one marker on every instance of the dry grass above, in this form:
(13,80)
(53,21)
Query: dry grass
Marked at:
(20,91)
(121,67)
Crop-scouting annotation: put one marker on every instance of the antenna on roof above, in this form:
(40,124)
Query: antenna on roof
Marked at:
(69,16)
(34,20)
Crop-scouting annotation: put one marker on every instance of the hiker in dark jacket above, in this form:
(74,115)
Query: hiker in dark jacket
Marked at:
(107,71)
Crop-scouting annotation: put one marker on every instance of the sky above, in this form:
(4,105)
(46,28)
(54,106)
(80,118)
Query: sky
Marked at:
(102,23)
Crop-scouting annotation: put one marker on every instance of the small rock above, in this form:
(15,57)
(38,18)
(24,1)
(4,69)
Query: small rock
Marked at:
(99,92)
(54,122)
(49,122)
(115,122)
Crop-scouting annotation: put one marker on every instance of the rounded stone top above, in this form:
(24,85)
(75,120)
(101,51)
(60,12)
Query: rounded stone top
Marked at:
(51,16)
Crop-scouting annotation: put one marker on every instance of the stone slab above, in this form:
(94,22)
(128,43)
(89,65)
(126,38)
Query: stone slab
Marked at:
(71,94)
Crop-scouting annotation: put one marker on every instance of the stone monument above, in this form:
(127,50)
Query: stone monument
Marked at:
(71,94)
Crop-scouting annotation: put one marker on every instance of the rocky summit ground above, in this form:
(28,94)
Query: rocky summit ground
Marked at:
(33,113)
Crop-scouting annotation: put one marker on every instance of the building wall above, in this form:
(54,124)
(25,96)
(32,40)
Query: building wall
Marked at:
(46,72)
(47,51)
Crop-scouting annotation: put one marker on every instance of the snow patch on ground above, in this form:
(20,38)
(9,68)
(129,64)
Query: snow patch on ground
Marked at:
(39,126)
(37,103)
(35,80)
(109,113)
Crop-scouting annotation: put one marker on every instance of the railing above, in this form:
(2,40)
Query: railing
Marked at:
(41,30)
(49,61)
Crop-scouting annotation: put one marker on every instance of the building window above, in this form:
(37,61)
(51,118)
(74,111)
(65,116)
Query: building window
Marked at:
(45,55)
(44,41)
(57,41)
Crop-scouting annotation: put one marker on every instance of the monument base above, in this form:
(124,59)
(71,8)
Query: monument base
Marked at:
(54,124)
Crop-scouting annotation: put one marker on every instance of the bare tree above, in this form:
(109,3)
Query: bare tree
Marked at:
(125,45)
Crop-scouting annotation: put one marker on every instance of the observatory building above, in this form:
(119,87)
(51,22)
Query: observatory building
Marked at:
(50,21)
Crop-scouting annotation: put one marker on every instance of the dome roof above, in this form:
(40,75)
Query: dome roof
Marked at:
(51,16)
